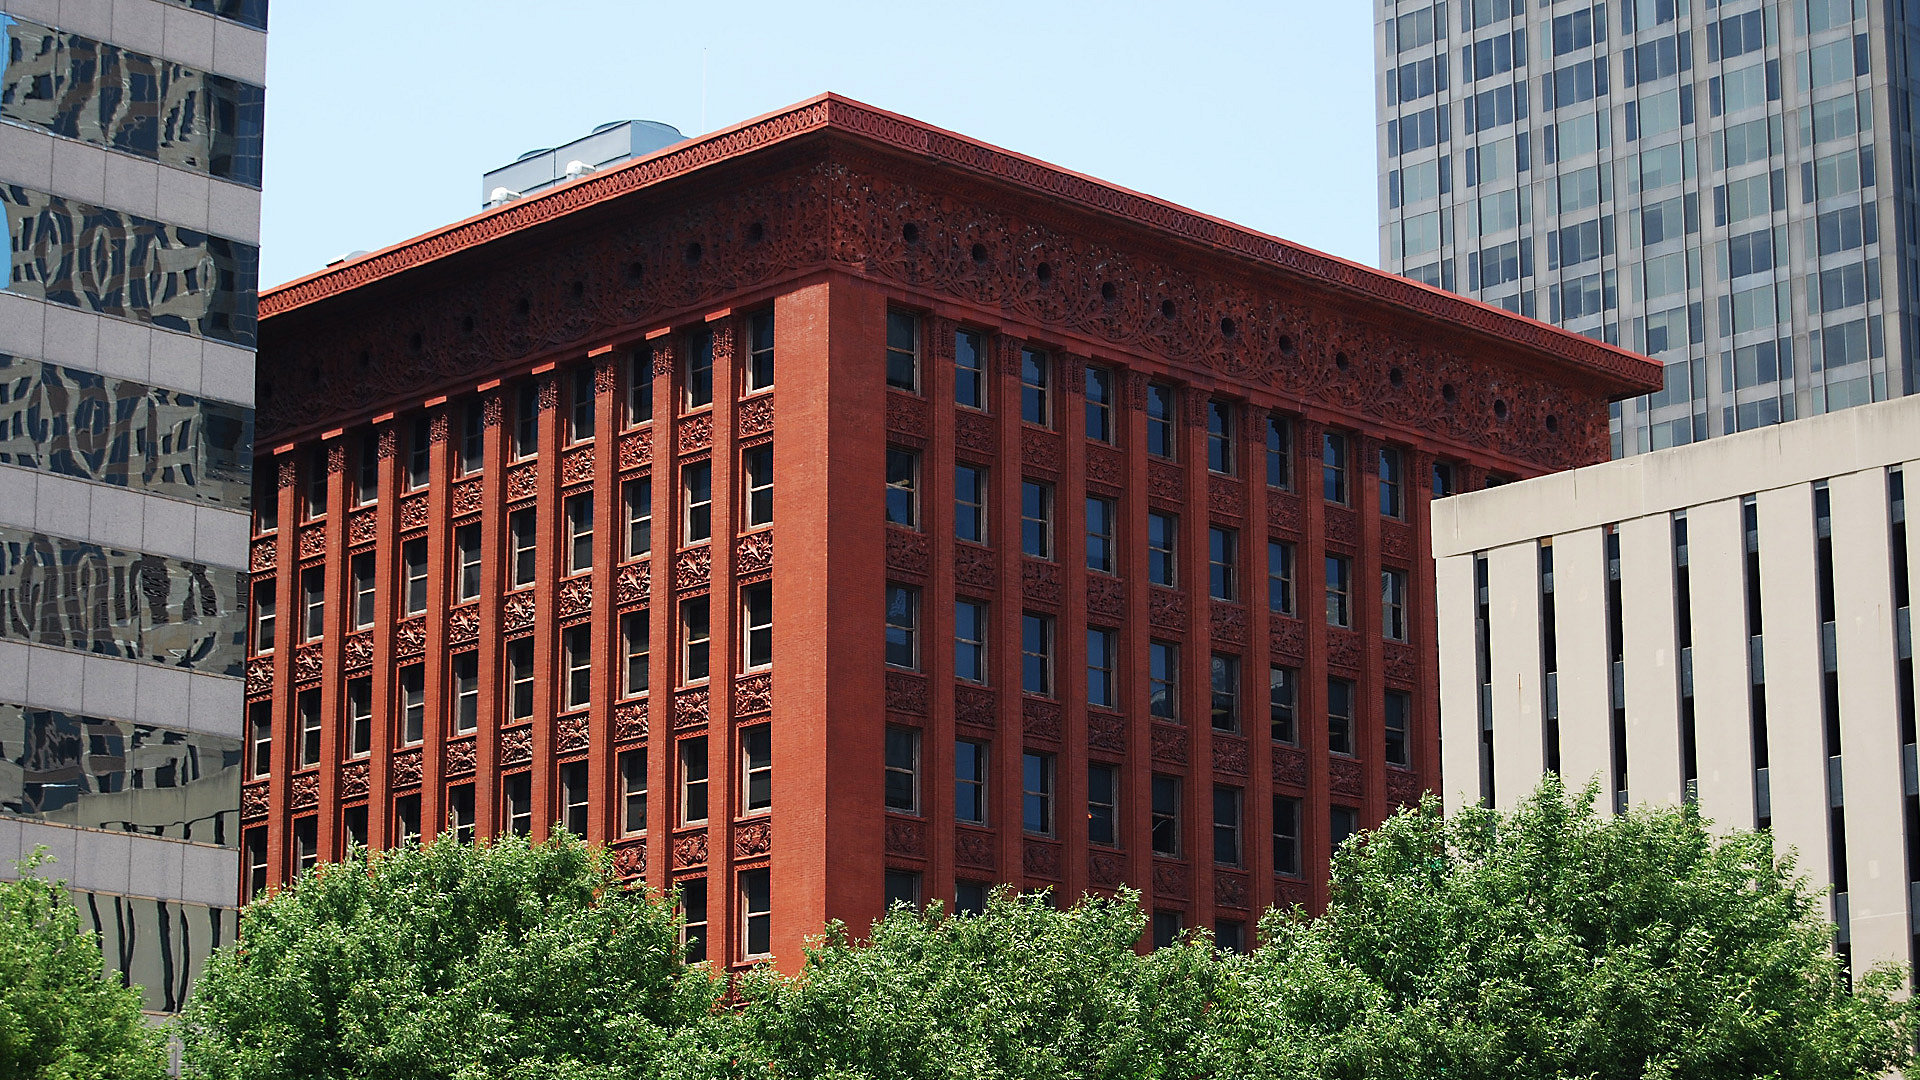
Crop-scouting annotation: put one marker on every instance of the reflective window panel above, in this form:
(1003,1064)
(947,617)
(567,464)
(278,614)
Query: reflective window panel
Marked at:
(160,946)
(108,96)
(129,434)
(131,267)
(119,775)
(77,595)
(251,12)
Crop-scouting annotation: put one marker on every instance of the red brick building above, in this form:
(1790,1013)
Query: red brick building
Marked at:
(835,507)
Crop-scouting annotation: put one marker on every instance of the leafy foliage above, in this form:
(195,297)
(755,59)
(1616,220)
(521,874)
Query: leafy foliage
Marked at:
(459,961)
(60,1017)
(1552,942)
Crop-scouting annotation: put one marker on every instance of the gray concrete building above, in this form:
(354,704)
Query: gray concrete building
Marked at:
(1725,185)
(130,137)
(1729,622)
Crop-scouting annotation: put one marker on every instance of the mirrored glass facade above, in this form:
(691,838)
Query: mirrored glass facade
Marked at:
(129,434)
(73,594)
(160,946)
(1725,185)
(119,775)
(251,12)
(109,96)
(132,267)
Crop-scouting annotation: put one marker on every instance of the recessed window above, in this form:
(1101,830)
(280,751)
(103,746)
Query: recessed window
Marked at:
(1339,591)
(1281,698)
(473,438)
(1036,799)
(1163,535)
(969,897)
(520,679)
(1333,467)
(1393,604)
(640,386)
(633,791)
(902,887)
(903,487)
(1100,526)
(693,780)
(756,605)
(466,563)
(970,502)
(903,627)
(969,369)
(756,769)
(696,486)
(413,703)
(903,770)
(970,641)
(1163,680)
(264,619)
(526,421)
(406,820)
(306,843)
(1392,483)
(580,412)
(1342,822)
(1036,376)
(313,497)
(693,918)
(695,637)
(363,575)
(1442,479)
(1220,456)
(1100,404)
(1226,825)
(1160,431)
(516,803)
(1102,658)
(413,569)
(1036,654)
(464,676)
(419,453)
(970,764)
(359,716)
(1166,924)
(1280,452)
(353,826)
(313,601)
(1165,818)
(1225,682)
(366,485)
(636,500)
(635,636)
(306,707)
(760,351)
(1103,804)
(1223,558)
(903,351)
(1399,713)
(579,516)
(1230,936)
(756,914)
(575,796)
(757,464)
(1286,835)
(1280,577)
(1036,519)
(699,369)
(1340,716)
(522,546)
(259,738)
(576,646)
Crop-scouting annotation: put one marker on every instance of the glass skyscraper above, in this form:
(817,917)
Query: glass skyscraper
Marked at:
(1726,185)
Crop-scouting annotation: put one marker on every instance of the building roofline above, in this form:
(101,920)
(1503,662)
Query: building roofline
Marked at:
(833,112)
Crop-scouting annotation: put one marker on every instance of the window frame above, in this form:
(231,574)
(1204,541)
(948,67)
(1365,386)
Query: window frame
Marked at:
(1223,563)
(696,507)
(576,657)
(910,629)
(517,657)
(1340,732)
(635,659)
(1036,386)
(1224,669)
(976,511)
(1103,643)
(576,513)
(631,765)
(1283,703)
(1163,423)
(1279,450)
(1167,555)
(1339,591)
(309,726)
(1105,811)
(1032,622)
(903,491)
(1164,814)
(1334,469)
(756,768)
(526,421)
(523,548)
(1163,671)
(1397,733)
(898,353)
(758,376)
(756,472)
(1287,860)
(1393,503)
(1284,580)
(1228,831)
(1099,420)
(1037,791)
(972,658)
(263,597)
(696,370)
(581,405)
(468,559)
(1221,458)
(756,637)
(1036,533)
(1108,510)
(756,922)
(974,375)
(464,689)
(1394,584)
(981,753)
(359,702)
(313,604)
(691,791)
(902,753)
(414,568)
(636,501)
(696,640)
(410,698)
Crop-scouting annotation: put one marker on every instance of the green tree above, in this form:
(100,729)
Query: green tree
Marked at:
(1020,991)
(1552,942)
(60,1017)
(499,959)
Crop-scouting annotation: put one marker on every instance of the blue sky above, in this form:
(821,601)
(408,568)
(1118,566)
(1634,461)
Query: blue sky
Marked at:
(381,116)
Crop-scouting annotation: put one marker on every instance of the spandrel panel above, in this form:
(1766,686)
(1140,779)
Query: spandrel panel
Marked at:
(108,96)
(251,12)
(119,775)
(72,594)
(160,946)
(125,433)
(131,267)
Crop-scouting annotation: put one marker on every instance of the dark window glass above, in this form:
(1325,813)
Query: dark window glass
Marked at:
(903,350)
(1162,544)
(903,770)
(1036,519)
(1279,452)
(903,481)
(1220,456)
(1100,404)
(1036,777)
(1333,467)
(970,763)
(969,369)
(1036,647)
(1286,835)
(1226,826)
(1103,804)
(1281,682)
(1100,525)
(700,369)
(970,502)
(903,627)
(1340,716)
(1399,712)
(1160,431)
(970,641)
(1166,815)
(760,351)
(1226,692)
(1163,680)
(1035,381)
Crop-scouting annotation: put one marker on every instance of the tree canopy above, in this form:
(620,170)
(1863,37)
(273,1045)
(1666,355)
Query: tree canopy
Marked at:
(61,1018)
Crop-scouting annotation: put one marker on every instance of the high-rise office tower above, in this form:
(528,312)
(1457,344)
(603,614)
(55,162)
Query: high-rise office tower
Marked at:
(130,181)
(1722,184)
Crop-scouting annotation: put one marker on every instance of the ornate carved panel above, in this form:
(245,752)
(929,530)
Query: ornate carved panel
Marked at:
(1403,787)
(576,597)
(1229,889)
(410,636)
(907,551)
(304,793)
(973,433)
(755,416)
(523,481)
(1229,754)
(1396,541)
(570,734)
(1283,512)
(1292,892)
(307,663)
(906,693)
(259,676)
(253,802)
(753,694)
(356,777)
(1040,858)
(1343,527)
(753,839)
(753,554)
(690,709)
(694,433)
(363,527)
(1107,868)
(693,568)
(463,624)
(1290,766)
(1106,469)
(1402,666)
(466,498)
(576,466)
(630,721)
(690,849)
(1343,650)
(1040,719)
(265,553)
(974,847)
(1106,596)
(1170,880)
(1344,777)
(1040,582)
(1040,451)
(414,513)
(1169,743)
(630,860)
(1106,732)
(1165,484)
(974,567)
(975,705)
(1226,498)
(1287,638)
(907,416)
(311,542)
(636,450)
(356,652)
(906,836)
(516,746)
(1229,623)
(516,612)
(460,757)
(406,768)
(1166,609)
